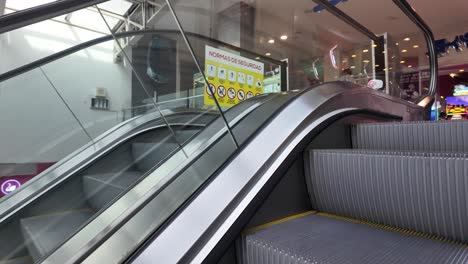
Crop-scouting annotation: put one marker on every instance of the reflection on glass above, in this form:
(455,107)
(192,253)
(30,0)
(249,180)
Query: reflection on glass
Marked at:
(317,46)
(37,131)
(146,86)
(404,64)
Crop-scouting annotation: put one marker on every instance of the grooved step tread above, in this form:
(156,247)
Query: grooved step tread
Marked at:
(424,192)
(317,238)
(436,136)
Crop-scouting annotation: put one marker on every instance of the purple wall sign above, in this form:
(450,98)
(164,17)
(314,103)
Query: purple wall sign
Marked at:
(9,186)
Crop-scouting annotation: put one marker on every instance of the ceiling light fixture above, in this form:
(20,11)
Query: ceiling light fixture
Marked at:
(366,61)
(397,44)
(462,70)
(257,58)
(404,51)
(352,67)
(410,66)
(271,41)
(377,65)
(415,46)
(268,54)
(406,39)
(374,46)
(402,62)
(354,55)
(452,75)
(284,37)
(365,51)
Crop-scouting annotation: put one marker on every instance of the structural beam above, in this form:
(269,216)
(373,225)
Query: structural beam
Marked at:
(43,12)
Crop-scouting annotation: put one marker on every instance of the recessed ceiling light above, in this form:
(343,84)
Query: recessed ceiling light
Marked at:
(452,75)
(284,37)
(415,46)
(406,39)
(268,54)
(404,51)
(397,44)
(462,70)
(402,62)
(377,65)
(271,41)
(365,51)
(257,58)
(366,61)
(410,66)
(354,56)
(352,67)
(375,46)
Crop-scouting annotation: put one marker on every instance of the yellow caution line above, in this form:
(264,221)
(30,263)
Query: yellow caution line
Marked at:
(395,229)
(279,221)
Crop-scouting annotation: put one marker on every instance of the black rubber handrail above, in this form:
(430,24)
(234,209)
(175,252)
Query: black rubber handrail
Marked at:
(43,12)
(40,62)
(429,36)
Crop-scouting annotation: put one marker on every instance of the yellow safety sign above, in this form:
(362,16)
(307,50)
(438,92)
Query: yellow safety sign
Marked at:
(232,78)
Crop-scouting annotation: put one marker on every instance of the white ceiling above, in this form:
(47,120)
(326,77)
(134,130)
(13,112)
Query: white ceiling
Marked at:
(442,16)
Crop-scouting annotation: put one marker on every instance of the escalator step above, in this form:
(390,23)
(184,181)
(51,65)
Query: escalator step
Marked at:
(148,155)
(45,232)
(100,189)
(417,191)
(320,239)
(423,136)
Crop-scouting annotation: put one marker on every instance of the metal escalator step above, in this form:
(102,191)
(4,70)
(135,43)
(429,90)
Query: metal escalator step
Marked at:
(45,232)
(100,189)
(319,239)
(424,136)
(147,155)
(424,192)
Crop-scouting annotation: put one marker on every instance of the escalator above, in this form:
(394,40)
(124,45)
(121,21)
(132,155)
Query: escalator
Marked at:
(399,196)
(58,205)
(44,220)
(332,173)
(350,186)
(341,183)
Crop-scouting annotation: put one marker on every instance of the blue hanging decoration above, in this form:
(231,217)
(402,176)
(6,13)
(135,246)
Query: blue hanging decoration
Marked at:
(443,45)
